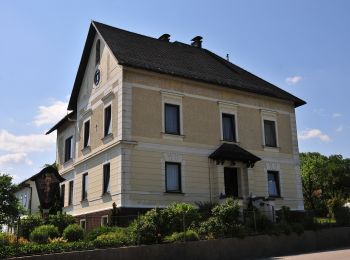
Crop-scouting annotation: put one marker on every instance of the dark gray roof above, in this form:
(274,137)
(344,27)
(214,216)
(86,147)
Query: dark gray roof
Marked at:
(69,116)
(177,59)
(233,152)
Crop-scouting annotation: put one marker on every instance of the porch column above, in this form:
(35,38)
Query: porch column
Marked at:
(250,173)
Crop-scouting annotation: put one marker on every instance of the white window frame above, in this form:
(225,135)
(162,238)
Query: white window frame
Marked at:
(88,144)
(175,158)
(270,116)
(83,220)
(104,217)
(231,109)
(104,119)
(71,148)
(110,175)
(172,98)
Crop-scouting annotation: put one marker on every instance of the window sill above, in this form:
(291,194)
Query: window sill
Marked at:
(66,163)
(271,148)
(274,197)
(177,137)
(86,150)
(107,138)
(229,142)
(108,193)
(84,201)
(174,193)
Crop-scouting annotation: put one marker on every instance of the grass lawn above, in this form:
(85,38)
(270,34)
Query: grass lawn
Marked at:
(325,220)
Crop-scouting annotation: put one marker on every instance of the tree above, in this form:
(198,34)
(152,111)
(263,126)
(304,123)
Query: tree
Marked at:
(325,180)
(9,206)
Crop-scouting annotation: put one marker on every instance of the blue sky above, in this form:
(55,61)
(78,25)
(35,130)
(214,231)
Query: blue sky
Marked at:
(301,46)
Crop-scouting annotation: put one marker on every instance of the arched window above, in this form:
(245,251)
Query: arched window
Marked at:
(98,52)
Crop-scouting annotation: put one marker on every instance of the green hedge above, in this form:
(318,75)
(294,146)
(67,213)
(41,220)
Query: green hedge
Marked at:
(73,233)
(42,234)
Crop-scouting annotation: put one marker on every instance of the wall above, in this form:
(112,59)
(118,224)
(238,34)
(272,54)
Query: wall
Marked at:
(233,248)
(201,108)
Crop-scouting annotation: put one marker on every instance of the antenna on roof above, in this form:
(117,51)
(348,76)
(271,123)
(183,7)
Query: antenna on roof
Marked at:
(227,57)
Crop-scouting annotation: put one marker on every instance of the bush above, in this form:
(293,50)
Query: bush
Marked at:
(42,234)
(93,234)
(73,233)
(205,208)
(342,216)
(28,224)
(148,228)
(257,221)
(117,238)
(189,235)
(225,221)
(61,221)
(57,240)
(280,228)
(178,214)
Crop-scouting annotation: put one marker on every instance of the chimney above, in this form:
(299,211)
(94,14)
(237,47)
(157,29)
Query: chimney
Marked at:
(197,41)
(165,37)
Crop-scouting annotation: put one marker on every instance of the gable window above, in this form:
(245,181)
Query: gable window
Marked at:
(173,177)
(70,193)
(104,221)
(270,133)
(228,127)
(172,119)
(63,189)
(98,52)
(86,133)
(108,120)
(85,187)
(106,177)
(273,184)
(68,149)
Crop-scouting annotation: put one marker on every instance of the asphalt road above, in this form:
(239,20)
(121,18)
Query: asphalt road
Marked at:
(339,254)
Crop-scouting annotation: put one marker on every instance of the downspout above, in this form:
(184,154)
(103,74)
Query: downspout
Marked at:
(30,200)
(209,175)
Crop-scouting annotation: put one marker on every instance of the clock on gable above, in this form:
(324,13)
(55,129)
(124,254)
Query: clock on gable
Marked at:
(97,77)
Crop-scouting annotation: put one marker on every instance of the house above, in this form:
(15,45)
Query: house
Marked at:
(153,121)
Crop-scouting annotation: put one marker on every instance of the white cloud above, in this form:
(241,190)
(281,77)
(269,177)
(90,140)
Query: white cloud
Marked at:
(339,129)
(335,115)
(314,134)
(50,114)
(14,158)
(26,143)
(293,80)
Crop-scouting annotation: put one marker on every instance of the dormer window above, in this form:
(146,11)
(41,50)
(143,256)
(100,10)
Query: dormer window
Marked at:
(98,52)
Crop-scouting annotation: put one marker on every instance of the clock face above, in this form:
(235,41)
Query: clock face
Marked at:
(97,77)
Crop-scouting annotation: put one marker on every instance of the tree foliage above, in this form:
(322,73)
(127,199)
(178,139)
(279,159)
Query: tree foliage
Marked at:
(324,179)
(9,206)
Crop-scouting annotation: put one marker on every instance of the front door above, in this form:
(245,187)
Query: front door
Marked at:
(231,182)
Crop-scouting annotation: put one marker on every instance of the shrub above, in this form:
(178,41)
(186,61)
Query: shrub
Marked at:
(342,216)
(189,235)
(257,221)
(148,228)
(117,238)
(280,228)
(28,224)
(93,234)
(61,221)
(179,215)
(73,233)
(225,221)
(205,208)
(42,234)
(57,240)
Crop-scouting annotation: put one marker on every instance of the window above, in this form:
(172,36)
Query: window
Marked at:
(106,176)
(83,224)
(273,184)
(70,194)
(270,133)
(173,177)
(86,133)
(228,128)
(172,119)
(98,52)
(108,122)
(63,189)
(104,221)
(68,149)
(85,187)
(231,182)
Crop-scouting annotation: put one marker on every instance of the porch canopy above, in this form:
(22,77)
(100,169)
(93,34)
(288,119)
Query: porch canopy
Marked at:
(232,152)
